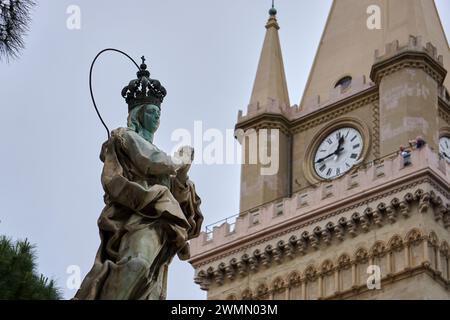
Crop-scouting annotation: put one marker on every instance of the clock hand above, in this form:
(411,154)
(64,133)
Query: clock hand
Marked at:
(330,155)
(338,149)
(445,155)
(325,158)
(341,142)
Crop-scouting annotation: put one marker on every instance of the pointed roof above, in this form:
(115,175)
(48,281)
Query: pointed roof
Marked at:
(347,46)
(270,82)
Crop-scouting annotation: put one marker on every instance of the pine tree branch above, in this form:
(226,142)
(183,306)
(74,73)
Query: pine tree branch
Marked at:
(14,24)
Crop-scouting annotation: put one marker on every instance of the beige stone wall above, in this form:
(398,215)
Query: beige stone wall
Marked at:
(408,108)
(406,251)
(421,286)
(257,188)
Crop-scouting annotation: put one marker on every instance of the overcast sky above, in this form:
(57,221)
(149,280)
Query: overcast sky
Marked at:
(205,53)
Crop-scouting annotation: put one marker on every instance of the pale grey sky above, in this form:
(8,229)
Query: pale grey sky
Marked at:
(205,53)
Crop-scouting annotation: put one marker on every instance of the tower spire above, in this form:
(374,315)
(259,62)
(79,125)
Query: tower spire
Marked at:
(270,82)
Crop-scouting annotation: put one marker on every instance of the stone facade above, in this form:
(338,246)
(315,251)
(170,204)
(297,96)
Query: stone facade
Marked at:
(319,243)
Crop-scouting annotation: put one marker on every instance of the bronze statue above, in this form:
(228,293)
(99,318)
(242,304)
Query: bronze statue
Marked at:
(151,209)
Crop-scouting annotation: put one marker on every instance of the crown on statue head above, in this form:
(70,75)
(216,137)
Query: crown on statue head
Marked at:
(143,90)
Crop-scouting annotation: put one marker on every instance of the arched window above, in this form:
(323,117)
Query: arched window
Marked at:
(344,83)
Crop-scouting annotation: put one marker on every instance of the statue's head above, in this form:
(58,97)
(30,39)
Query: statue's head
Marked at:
(144,97)
(144,117)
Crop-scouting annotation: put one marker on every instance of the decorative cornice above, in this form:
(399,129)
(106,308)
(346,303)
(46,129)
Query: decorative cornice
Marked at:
(266,121)
(379,249)
(297,122)
(408,59)
(376,130)
(200,261)
(335,110)
(444,111)
(359,223)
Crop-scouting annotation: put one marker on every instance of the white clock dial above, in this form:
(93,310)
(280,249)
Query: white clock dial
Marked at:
(444,148)
(338,153)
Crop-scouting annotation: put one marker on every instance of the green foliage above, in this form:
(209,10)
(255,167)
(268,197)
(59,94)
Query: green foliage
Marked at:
(18,277)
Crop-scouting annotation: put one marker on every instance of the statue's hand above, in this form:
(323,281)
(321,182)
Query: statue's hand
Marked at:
(184,158)
(186,152)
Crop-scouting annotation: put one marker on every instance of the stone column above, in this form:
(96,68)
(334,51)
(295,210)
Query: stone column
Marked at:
(407,256)
(354,275)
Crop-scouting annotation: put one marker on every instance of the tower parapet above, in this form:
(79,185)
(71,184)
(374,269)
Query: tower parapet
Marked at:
(412,55)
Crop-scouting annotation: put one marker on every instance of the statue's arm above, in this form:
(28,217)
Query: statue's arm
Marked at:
(148,159)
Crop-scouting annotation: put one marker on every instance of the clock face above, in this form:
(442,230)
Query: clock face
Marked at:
(338,153)
(444,148)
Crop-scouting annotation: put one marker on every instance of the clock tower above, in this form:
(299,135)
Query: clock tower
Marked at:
(346,215)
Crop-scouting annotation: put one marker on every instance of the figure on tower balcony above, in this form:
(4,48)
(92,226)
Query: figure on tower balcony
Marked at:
(151,207)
